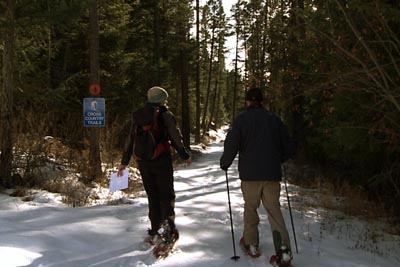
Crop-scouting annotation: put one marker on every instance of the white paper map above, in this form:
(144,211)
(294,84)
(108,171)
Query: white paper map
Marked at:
(118,183)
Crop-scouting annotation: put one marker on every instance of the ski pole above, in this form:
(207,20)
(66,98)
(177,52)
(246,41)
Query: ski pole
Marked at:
(234,257)
(290,209)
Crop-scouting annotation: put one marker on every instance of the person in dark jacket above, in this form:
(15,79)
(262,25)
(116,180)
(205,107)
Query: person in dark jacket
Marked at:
(263,144)
(157,174)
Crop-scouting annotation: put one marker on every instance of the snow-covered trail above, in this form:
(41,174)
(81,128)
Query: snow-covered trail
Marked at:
(41,234)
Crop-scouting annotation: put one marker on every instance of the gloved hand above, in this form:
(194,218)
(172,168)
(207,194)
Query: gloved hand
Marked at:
(224,168)
(121,168)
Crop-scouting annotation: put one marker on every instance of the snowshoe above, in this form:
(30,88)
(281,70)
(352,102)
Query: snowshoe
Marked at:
(250,250)
(273,261)
(283,256)
(282,259)
(166,242)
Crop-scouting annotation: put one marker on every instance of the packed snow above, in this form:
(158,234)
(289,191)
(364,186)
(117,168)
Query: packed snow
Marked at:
(44,232)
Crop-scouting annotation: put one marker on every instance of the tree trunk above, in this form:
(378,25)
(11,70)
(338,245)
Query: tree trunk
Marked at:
(49,52)
(94,133)
(203,125)
(216,88)
(235,82)
(263,45)
(6,98)
(198,96)
(213,100)
(297,90)
(185,89)
(157,43)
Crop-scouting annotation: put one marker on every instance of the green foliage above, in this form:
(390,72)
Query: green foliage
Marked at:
(353,104)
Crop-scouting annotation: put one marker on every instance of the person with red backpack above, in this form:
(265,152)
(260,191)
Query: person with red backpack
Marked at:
(153,132)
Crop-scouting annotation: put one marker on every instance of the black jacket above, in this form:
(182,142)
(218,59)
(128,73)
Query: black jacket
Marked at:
(172,132)
(263,143)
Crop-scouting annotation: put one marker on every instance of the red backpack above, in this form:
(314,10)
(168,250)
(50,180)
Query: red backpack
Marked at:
(149,135)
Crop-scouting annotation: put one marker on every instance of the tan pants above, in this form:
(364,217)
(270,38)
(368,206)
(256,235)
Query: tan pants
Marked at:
(268,192)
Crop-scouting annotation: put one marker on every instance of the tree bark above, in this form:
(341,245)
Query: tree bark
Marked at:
(210,72)
(157,43)
(216,89)
(185,89)
(6,98)
(198,96)
(95,171)
(235,82)
(297,90)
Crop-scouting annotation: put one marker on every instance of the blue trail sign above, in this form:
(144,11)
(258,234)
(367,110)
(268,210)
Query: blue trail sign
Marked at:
(94,112)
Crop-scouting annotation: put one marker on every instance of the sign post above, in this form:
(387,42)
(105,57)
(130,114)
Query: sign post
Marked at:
(94,112)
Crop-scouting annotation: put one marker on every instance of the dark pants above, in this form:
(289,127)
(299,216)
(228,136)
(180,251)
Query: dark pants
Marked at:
(158,181)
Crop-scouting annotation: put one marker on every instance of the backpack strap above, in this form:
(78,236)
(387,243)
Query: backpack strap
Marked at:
(156,113)
(163,144)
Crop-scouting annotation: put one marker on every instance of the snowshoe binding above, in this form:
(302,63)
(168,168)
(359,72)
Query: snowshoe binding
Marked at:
(250,250)
(168,237)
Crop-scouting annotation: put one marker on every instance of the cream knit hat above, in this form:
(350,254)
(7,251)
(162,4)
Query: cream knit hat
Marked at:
(156,94)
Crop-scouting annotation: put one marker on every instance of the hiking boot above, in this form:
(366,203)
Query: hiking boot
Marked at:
(284,256)
(168,232)
(166,243)
(251,250)
(152,237)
